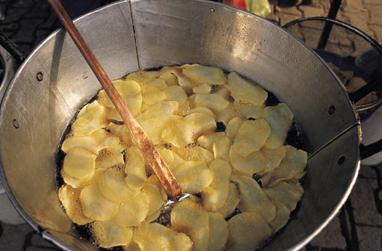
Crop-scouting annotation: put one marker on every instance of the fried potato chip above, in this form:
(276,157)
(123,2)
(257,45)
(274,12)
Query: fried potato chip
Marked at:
(95,206)
(213,101)
(274,156)
(204,74)
(177,132)
(251,136)
(207,140)
(111,184)
(79,163)
(122,132)
(202,89)
(109,157)
(227,114)
(244,91)
(155,199)
(280,120)
(281,219)
(108,234)
(75,182)
(215,195)
(156,125)
(221,147)
(142,77)
(190,218)
(86,142)
(249,110)
(249,165)
(135,163)
(231,202)
(91,118)
(193,176)
(166,73)
(133,210)
(175,93)
(285,193)
(292,166)
(253,198)
(194,153)
(201,109)
(223,91)
(172,159)
(153,236)
(70,200)
(218,232)
(164,108)
(247,231)
(154,97)
(233,127)
(200,122)
(157,83)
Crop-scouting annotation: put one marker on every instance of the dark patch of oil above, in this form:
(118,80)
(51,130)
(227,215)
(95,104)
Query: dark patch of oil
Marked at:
(271,99)
(220,127)
(257,178)
(250,118)
(296,137)
(235,212)
(84,232)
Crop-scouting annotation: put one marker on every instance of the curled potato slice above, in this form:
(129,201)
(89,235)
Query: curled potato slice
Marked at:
(207,140)
(281,219)
(194,153)
(253,198)
(166,73)
(190,218)
(273,157)
(251,136)
(202,89)
(285,193)
(218,232)
(249,110)
(227,114)
(193,176)
(109,157)
(155,198)
(142,77)
(215,195)
(80,164)
(221,147)
(153,236)
(201,109)
(233,127)
(172,159)
(280,119)
(200,122)
(213,101)
(178,133)
(108,234)
(244,91)
(251,164)
(91,118)
(204,74)
(231,202)
(135,165)
(247,231)
(95,206)
(175,93)
(154,127)
(86,142)
(69,198)
(121,131)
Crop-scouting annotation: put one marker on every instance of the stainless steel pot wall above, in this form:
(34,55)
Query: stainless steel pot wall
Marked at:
(140,34)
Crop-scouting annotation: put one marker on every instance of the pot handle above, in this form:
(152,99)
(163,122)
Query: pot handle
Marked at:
(11,59)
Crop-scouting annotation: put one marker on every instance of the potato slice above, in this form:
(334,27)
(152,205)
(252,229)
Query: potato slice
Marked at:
(202,89)
(172,159)
(247,231)
(70,199)
(164,108)
(201,109)
(251,136)
(154,96)
(274,156)
(109,157)
(214,102)
(207,140)
(135,164)
(177,132)
(194,153)
(111,183)
(79,163)
(200,123)
(253,163)
(292,166)
(86,142)
(227,114)
(95,206)
(91,118)
(155,126)
(142,77)
(223,91)
(122,132)
(281,219)
(133,210)
(204,74)
(166,73)
(175,93)
(109,141)
(155,199)
(280,119)
(75,182)
(221,147)
(108,234)
(285,193)
(218,232)
(233,127)
(249,110)
(153,236)
(190,218)
(215,195)
(244,91)
(231,202)
(193,176)
(253,198)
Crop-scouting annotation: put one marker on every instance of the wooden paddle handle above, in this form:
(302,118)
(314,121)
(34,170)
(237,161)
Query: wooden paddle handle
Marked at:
(152,156)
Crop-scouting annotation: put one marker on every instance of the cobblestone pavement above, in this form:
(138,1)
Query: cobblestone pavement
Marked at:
(358,226)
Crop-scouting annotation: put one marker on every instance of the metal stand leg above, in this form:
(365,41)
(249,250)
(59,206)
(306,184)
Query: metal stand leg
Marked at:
(334,7)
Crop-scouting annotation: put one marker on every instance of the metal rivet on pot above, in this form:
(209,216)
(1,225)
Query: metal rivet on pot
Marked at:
(212,10)
(331,110)
(40,76)
(341,160)
(15,124)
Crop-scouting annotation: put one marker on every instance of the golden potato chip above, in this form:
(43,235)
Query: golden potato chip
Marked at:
(202,89)
(223,91)
(95,206)
(281,219)
(280,119)
(213,101)
(172,159)
(204,74)
(175,93)
(233,127)
(70,199)
(132,247)
(285,193)
(218,232)
(247,231)
(86,142)
(164,108)
(135,163)
(166,73)
(79,163)
(111,184)
(201,109)
(251,136)
(125,89)
(274,156)
(207,140)
(142,77)
(249,110)
(215,195)
(153,179)
(227,114)
(157,83)
(221,147)
(154,197)
(153,236)
(91,118)
(244,91)
(292,166)
(108,234)
(154,127)
(177,132)
(200,122)
(122,132)
(253,163)
(109,157)
(110,141)
(154,97)
(231,202)
(193,176)
(253,198)
(190,218)
(75,182)
(194,153)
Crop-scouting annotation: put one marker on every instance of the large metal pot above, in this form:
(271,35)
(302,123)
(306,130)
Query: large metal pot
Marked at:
(54,82)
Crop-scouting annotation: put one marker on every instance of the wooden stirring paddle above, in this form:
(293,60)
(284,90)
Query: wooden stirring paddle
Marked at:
(150,153)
